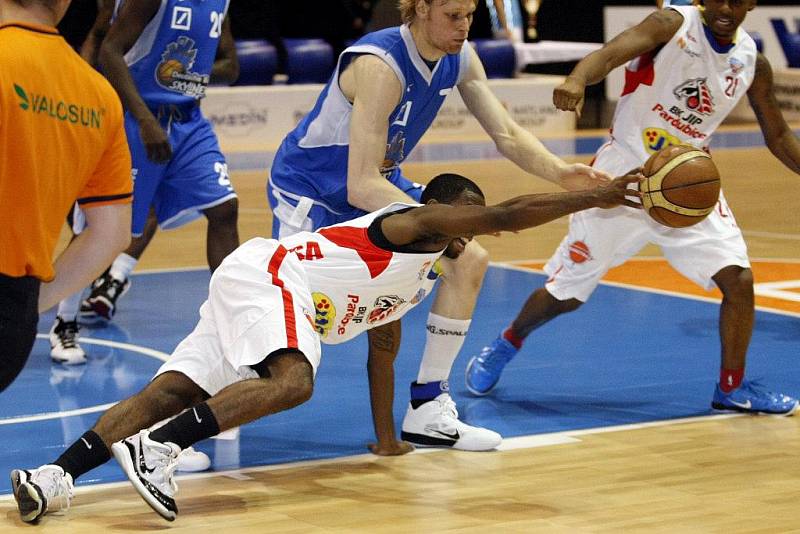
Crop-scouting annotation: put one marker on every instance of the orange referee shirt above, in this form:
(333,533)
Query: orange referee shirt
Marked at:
(61,140)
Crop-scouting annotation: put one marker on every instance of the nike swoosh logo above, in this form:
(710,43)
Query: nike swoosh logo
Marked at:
(142,465)
(746,405)
(88,445)
(196,416)
(454,436)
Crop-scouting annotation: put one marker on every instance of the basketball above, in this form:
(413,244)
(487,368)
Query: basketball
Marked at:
(166,69)
(680,187)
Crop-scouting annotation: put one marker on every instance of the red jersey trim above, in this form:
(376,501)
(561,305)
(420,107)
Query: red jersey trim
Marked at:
(645,75)
(376,258)
(288,302)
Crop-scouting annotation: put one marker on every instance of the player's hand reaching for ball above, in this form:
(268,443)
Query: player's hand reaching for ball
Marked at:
(618,192)
(155,141)
(393,448)
(569,95)
(579,177)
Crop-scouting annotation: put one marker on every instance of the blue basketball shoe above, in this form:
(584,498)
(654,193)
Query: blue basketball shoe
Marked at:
(483,371)
(751,397)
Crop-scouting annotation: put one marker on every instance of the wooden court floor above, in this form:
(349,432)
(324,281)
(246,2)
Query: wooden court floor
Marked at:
(726,474)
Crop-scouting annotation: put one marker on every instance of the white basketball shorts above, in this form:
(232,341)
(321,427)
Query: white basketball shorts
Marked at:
(600,239)
(258,303)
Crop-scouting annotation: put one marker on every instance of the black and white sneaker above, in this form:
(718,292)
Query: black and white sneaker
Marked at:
(435,424)
(102,300)
(150,466)
(41,491)
(18,478)
(64,347)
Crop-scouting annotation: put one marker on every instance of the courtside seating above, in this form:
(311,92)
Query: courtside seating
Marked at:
(498,57)
(308,60)
(258,62)
(790,42)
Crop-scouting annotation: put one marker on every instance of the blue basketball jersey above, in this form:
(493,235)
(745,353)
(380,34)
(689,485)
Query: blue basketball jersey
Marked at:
(171,61)
(312,160)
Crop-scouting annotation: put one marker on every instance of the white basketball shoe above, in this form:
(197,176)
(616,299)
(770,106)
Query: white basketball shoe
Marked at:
(435,423)
(40,491)
(191,460)
(64,347)
(150,466)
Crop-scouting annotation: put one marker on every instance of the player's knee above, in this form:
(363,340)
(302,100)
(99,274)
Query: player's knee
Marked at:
(477,256)
(736,283)
(557,307)
(471,265)
(300,383)
(292,373)
(225,213)
(173,392)
(569,305)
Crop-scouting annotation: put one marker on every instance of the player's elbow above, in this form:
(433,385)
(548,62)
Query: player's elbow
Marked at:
(357,196)
(228,71)
(504,219)
(108,51)
(507,142)
(235,70)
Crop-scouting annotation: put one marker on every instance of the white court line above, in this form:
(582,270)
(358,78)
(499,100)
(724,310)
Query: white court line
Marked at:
(777,290)
(153,353)
(55,415)
(516,443)
(19,419)
(771,235)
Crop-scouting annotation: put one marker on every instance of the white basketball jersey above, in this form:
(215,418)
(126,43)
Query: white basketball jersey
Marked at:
(681,95)
(355,284)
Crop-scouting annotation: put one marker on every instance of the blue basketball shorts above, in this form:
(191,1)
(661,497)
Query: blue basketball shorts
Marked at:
(195,179)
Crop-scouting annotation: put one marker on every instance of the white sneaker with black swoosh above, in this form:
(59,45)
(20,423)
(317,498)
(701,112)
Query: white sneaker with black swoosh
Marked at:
(435,424)
(150,466)
(40,491)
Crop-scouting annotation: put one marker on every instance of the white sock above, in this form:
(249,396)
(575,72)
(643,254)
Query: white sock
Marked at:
(122,267)
(68,308)
(444,340)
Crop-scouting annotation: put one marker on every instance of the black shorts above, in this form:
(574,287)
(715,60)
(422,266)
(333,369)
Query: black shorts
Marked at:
(19,316)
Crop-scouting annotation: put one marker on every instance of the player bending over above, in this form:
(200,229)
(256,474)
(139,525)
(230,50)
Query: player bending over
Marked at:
(256,348)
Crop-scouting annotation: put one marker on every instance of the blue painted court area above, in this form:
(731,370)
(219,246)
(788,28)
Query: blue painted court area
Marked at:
(625,357)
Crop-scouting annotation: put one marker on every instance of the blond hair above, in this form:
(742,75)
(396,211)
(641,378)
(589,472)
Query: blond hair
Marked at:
(408,9)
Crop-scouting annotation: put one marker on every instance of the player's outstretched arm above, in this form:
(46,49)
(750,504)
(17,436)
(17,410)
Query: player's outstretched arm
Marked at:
(515,142)
(443,221)
(655,30)
(129,25)
(779,137)
(374,89)
(226,63)
(384,342)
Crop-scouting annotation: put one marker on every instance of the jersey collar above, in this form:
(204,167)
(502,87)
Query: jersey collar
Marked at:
(718,48)
(38,28)
(416,58)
